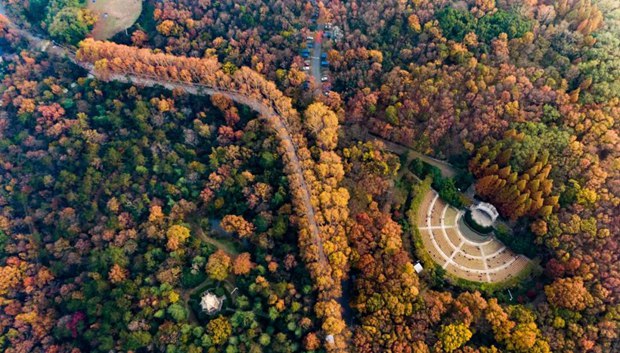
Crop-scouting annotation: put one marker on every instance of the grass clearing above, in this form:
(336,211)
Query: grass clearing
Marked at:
(114,16)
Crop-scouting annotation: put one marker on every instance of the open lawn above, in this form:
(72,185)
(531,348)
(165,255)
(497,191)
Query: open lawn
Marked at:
(114,16)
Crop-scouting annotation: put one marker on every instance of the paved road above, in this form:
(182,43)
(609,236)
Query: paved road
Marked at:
(316,57)
(266,112)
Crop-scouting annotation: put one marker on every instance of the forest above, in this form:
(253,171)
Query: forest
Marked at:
(196,153)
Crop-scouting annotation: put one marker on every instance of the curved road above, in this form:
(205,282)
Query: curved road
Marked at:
(266,112)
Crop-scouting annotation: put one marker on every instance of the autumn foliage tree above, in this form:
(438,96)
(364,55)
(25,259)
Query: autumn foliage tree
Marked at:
(219,329)
(452,337)
(569,293)
(528,191)
(176,235)
(242,265)
(117,274)
(218,266)
(237,224)
(384,270)
(322,123)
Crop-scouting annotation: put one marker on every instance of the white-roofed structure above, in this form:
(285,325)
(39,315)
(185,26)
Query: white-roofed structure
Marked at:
(211,303)
(484,214)
(330,339)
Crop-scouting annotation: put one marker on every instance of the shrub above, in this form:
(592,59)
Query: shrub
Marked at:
(522,243)
(445,186)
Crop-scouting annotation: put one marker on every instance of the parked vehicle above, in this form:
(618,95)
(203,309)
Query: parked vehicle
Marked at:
(324,63)
(323,55)
(306,68)
(324,79)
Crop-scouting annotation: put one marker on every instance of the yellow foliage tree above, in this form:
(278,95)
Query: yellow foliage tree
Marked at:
(177,235)
(219,329)
(323,125)
(218,265)
(453,336)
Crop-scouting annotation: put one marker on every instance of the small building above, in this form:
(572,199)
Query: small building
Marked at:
(330,339)
(418,267)
(211,303)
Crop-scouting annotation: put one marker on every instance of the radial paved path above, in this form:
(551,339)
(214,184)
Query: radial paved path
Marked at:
(481,261)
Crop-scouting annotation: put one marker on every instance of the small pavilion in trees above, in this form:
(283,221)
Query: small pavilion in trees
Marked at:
(211,303)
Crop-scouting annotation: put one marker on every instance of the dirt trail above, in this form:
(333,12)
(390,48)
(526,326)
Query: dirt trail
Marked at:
(447,170)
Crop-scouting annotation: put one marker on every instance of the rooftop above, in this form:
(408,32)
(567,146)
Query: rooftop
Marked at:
(210,303)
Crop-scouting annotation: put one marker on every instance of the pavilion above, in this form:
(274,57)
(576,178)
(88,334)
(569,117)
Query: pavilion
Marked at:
(210,303)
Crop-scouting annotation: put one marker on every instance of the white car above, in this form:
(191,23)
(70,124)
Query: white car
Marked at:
(310,38)
(324,78)
(306,68)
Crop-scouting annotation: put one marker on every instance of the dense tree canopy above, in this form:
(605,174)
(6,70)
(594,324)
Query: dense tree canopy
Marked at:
(120,206)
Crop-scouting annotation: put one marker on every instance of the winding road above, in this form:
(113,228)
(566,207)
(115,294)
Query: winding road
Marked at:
(267,112)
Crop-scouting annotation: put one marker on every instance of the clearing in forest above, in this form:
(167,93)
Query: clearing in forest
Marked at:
(472,258)
(113,16)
